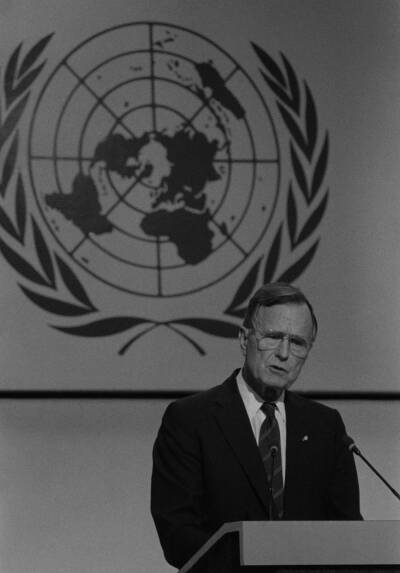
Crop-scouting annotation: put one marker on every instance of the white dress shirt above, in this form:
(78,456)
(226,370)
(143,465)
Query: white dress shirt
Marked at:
(252,402)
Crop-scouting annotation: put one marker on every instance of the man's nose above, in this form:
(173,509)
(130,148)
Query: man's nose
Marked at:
(283,349)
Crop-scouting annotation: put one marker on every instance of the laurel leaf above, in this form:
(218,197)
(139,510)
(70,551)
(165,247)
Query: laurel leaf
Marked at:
(270,65)
(9,165)
(11,120)
(43,253)
(25,83)
(320,168)
(291,215)
(210,326)
(278,91)
(10,74)
(313,221)
(54,305)
(245,289)
(293,272)
(21,265)
(195,345)
(7,224)
(73,284)
(311,122)
(132,340)
(20,208)
(273,256)
(33,54)
(293,128)
(293,85)
(299,173)
(237,312)
(103,327)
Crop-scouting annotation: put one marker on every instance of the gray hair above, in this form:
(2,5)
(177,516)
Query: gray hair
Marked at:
(271,294)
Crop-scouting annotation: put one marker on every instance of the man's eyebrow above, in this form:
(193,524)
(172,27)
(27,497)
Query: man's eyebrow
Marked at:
(283,333)
(271,331)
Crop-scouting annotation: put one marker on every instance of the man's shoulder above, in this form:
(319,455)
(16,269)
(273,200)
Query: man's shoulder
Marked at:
(199,403)
(309,406)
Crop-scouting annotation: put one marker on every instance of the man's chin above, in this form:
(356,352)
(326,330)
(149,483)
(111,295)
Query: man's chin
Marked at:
(271,389)
(276,384)
(270,386)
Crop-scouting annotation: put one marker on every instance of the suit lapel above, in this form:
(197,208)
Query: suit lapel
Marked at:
(297,438)
(234,423)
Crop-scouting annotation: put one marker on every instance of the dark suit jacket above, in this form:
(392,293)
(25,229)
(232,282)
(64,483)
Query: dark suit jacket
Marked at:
(207,468)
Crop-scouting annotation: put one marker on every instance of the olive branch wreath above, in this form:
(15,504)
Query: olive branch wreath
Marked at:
(54,286)
(309,162)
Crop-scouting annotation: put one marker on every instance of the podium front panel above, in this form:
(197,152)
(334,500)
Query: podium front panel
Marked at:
(320,543)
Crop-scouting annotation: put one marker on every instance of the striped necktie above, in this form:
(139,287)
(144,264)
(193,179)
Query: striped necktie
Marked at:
(269,445)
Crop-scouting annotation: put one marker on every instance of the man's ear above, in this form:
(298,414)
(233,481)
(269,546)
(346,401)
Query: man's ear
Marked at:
(243,337)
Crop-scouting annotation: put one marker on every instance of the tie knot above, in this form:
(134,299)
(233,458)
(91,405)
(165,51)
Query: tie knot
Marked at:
(269,408)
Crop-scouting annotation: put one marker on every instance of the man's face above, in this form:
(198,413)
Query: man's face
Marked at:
(269,371)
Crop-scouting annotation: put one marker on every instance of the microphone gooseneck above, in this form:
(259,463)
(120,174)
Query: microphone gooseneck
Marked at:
(351,446)
(273,451)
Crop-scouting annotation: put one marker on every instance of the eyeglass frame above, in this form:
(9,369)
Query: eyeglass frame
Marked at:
(279,340)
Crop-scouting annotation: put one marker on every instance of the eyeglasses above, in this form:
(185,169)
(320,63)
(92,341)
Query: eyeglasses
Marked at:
(298,346)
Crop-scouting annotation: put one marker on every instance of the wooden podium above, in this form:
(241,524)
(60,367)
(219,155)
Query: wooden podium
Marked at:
(288,546)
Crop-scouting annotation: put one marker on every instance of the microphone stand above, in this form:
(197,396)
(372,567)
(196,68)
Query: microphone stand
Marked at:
(271,512)
(353,448)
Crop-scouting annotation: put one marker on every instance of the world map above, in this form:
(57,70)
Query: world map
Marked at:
(179,167)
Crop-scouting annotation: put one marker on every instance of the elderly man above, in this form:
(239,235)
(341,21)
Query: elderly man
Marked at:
(249,448)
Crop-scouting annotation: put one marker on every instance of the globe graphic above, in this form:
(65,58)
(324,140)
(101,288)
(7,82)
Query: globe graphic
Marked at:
(154,160)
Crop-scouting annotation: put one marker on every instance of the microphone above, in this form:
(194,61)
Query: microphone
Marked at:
(349,443)
(273,451)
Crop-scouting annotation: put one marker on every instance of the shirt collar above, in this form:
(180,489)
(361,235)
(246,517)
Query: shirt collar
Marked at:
(252,400)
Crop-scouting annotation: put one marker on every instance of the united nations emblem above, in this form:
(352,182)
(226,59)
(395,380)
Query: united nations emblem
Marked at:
(154,162)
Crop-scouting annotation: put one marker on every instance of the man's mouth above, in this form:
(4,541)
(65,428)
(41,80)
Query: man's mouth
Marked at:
(277,369)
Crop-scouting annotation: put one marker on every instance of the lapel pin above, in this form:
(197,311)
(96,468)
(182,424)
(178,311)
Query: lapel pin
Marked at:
(304,438)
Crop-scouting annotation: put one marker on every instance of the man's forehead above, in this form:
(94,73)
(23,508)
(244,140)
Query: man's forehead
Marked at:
(295,313)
